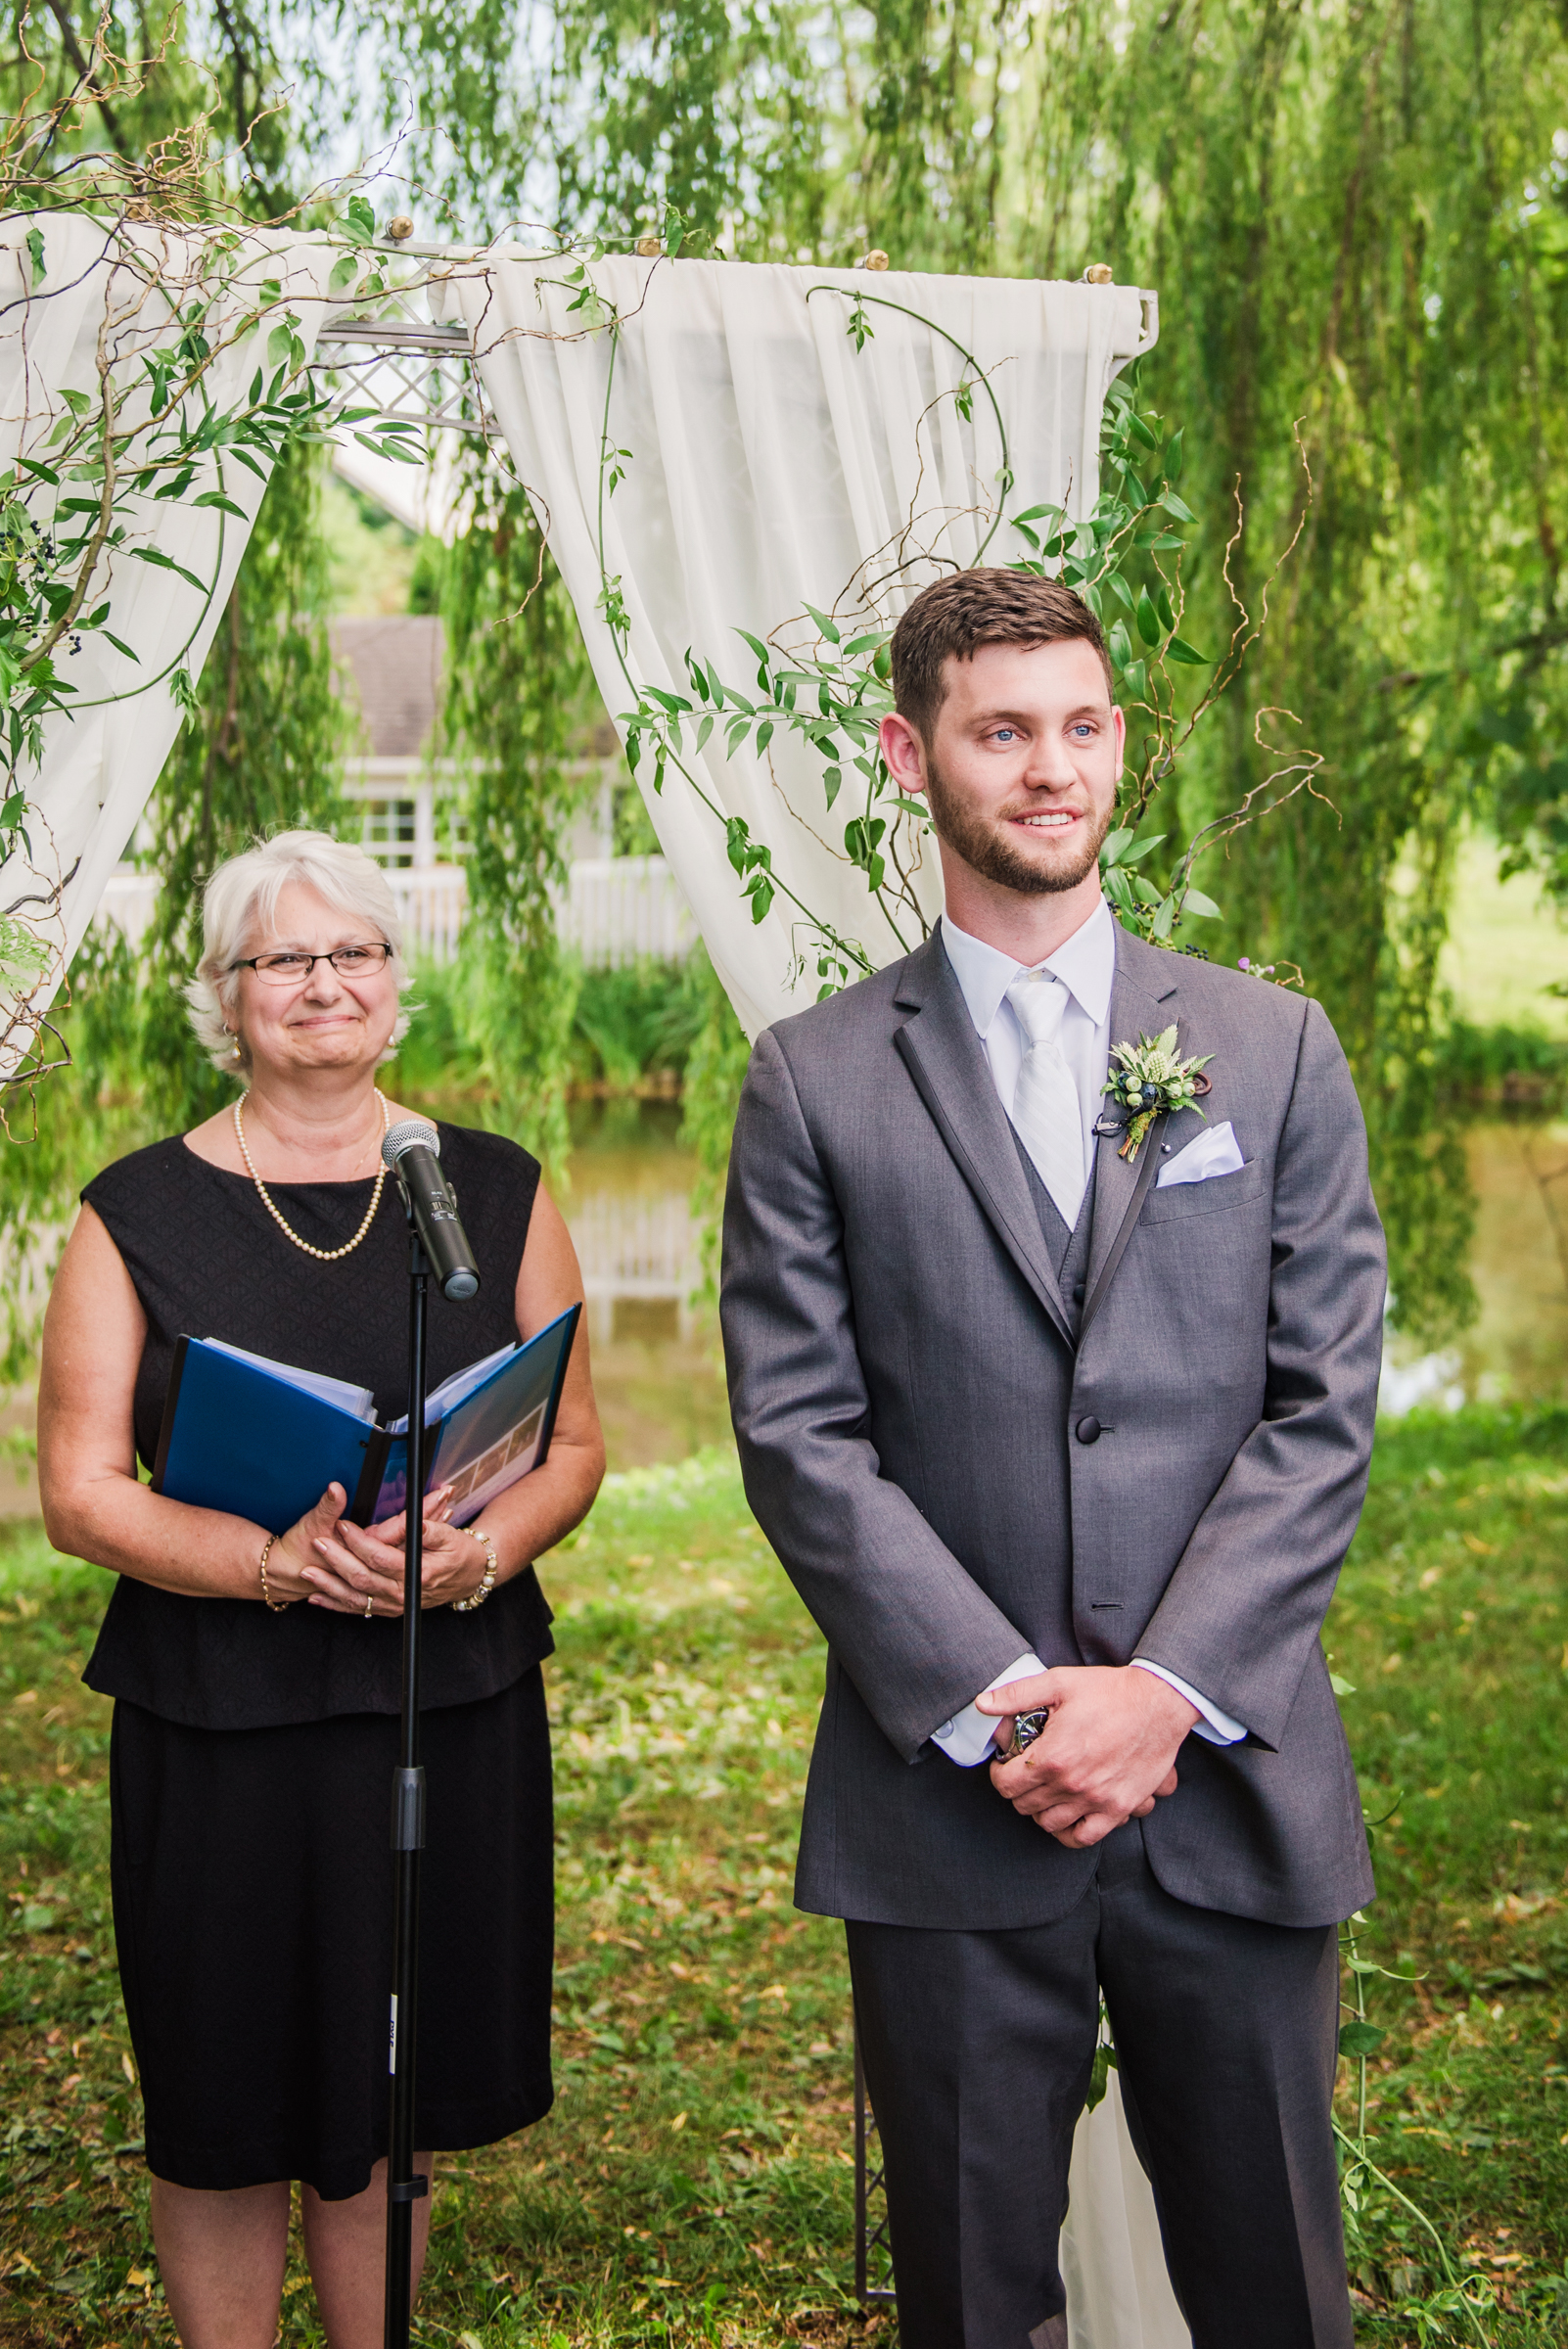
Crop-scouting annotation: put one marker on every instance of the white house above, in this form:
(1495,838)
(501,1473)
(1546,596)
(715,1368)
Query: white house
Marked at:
(617,910)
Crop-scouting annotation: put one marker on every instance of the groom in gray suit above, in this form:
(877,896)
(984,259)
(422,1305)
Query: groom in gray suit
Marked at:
(1037,1420)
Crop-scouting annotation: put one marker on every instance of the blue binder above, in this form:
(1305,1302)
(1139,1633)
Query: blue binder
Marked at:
(239,1435)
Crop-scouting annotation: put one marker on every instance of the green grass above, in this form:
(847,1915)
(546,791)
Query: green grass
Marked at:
(693,2182)
(693,2178)
(1453,1624)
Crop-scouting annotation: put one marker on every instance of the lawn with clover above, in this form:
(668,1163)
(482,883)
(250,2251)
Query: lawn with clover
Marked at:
(694,2182)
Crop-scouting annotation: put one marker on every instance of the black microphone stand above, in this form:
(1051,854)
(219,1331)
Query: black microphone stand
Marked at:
(403,2187)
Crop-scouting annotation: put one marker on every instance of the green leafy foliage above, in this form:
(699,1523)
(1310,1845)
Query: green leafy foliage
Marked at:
(1357,223)
(265,750)
(517,708)
(715,1068)
(830,692)
(69,526)
(262,747)
(636,1024)
(689,122)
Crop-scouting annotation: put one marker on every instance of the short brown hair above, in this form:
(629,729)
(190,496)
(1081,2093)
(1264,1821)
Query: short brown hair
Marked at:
(951,619)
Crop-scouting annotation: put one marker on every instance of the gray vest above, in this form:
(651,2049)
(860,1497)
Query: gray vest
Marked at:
(1054,1639)
(1066,1250)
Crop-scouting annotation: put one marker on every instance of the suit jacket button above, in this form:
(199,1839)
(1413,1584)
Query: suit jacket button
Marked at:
(1087,1431)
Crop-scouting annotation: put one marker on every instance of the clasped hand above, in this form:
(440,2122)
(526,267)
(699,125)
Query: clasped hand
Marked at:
(341,1566)
(1104,1757)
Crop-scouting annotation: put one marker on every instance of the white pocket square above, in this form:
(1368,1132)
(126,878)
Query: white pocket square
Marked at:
(1214,1151)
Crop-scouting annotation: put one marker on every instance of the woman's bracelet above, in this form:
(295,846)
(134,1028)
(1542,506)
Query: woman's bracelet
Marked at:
(477,1598)
(277,1605)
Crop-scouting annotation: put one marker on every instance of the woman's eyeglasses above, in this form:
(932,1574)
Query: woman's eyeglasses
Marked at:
(283,969)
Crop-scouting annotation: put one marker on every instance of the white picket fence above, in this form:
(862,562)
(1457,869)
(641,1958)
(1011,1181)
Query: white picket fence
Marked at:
(626,910)
(431,901)
(639,1245)
(617,910)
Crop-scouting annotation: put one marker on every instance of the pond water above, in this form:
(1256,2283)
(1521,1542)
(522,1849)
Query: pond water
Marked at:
(659,1373)
(657,1365)
(1517,1348)
(657,1368)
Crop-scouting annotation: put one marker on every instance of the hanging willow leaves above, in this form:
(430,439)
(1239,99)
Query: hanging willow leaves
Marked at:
(519,708)
(1354,217)
(264,748)
(265,751)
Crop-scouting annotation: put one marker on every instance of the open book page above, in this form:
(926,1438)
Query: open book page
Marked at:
(455,1389)
(500,1433)
(358,1401)
(497,1433)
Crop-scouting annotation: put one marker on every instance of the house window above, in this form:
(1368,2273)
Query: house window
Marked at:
(389,831)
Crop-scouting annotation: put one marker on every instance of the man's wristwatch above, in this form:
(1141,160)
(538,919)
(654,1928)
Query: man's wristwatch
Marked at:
(1027,1726)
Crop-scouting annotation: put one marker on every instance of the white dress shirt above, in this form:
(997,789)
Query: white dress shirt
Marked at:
(1086,967)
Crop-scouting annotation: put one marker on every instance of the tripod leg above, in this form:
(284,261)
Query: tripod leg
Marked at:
(405,2186)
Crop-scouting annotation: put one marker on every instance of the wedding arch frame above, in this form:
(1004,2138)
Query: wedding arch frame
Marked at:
(937,408)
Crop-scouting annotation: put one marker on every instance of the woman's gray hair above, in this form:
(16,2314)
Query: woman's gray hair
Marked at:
(241,903)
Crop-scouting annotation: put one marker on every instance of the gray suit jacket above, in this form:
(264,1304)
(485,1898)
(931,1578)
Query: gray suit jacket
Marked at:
(909,1406)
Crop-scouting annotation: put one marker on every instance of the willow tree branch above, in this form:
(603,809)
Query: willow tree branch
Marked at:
(73,50)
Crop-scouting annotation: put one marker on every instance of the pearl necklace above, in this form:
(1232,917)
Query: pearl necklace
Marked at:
(324,1256)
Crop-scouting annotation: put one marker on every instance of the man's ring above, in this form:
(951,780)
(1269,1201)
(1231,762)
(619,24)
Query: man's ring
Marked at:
(370,1601)
(1027,1726)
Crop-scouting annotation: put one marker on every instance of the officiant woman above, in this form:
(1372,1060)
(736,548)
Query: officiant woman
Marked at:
(255,1667)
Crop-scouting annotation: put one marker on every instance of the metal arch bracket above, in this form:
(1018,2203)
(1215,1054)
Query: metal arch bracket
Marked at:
(873,2252)
(410,368)
(406,369)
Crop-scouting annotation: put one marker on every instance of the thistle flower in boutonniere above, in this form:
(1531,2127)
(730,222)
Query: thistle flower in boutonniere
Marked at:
(1149,1077)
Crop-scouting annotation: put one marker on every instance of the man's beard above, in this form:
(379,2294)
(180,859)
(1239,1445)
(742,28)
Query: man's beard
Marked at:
(993,856)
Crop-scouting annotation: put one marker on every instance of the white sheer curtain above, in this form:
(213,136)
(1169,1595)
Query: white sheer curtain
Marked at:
(106,291)
(773,464)
(1119,2295)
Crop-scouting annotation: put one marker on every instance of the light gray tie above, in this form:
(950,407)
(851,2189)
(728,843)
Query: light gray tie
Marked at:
(1046,1110)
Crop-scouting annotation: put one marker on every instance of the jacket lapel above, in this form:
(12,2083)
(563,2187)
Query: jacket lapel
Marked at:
(948,1064)
(1142,1003)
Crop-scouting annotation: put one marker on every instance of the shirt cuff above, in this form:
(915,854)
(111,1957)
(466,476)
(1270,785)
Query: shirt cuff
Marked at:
(967,1738)
(1216,1728)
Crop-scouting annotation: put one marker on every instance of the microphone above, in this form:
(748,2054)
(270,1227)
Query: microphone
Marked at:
(413,1150)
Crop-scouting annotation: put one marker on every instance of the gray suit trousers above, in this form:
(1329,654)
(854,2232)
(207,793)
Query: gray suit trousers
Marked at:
(978,2049)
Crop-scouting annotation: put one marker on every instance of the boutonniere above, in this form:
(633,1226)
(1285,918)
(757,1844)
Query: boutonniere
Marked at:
(1149,1077)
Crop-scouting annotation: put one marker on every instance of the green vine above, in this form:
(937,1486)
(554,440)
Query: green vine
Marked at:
(1468,2298)
(82,497)
(1123,560)
(264,749)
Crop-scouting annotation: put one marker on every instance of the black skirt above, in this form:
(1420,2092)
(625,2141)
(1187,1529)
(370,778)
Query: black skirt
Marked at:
(252,1885)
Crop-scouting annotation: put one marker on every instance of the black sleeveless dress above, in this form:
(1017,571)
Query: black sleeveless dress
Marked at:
(252,1752)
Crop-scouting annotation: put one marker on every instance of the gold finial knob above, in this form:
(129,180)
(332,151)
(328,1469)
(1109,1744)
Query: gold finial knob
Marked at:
(1099,273)
(873,260)
(649,248)
(400,229)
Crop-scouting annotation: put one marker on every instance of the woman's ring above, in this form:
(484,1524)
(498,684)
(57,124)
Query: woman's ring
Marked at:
(370,1601)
